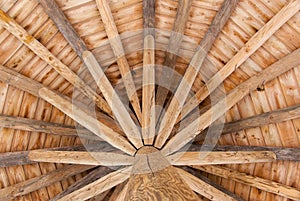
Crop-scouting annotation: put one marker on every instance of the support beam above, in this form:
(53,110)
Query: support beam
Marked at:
(243,54)
(148,96)
(257,182)
(95,188)
(228,157)
(203,188)
(88,121)
(188,133)
(169,119)
(19,32)
(116,45)
(42,181)
(89,178)
(122,194)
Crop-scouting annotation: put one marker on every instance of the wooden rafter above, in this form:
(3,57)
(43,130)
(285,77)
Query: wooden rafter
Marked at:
(122,194)
(99,186)
(39,182)
(118,50)
(243,54)
(187,134)
(257,182)
(202,187)
(169,119)
(148,99)
(19,32)
(117,107)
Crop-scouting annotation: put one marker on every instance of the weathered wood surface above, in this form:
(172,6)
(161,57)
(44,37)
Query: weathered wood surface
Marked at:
(202,187)
(122,194)
(39,182)
(149,17)
(187,134)
(257,182)
(100,185)
(169,119)
(243,54)
(18,31)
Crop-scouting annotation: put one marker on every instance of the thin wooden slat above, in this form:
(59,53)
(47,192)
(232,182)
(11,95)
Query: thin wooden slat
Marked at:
(118,50)
(19,32)
(169,119)
(257,182)
(202,187)
(99,186)
(88,121)
(243,54)
(117,191)
(184,136)
(42,181)
(122,115)
(149,17)
(122,194)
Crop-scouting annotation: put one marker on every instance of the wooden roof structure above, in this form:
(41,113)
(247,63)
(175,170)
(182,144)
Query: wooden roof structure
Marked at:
(149,100)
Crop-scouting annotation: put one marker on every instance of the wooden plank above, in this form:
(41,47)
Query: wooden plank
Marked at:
(243,54)
(202,187)
(169,119)
(122,115)
(173,50)
(41,181)
(88,121)
(89,178)
(219,157)
(116,45)
(117,191)
(257,182)
(184,136)
(19,32)
(99,186)
(122,194)
(149,17)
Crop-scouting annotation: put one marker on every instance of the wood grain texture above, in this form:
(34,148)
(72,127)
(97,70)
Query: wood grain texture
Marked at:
(169,119)
(121,196)
(149,17)
(257,182)
(255,42)
(187,134)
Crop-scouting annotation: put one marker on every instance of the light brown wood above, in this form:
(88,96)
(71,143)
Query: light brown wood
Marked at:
(122,194)
(228,157)
(169,119)
(13,27)
(257,182)
(117,191)
(87,121)
(243,54)
(202,187)
(79,157)
(117,47)
(235,95)
(122,115)
(99,186)
(148,99)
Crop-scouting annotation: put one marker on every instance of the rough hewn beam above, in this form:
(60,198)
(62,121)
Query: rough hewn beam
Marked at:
(149,17)
(257,182)
(19,32)
(219,157)
(188,133)
(203,188)
(99,186)
(116,45)
(42,181)
(243,54)
(169,119)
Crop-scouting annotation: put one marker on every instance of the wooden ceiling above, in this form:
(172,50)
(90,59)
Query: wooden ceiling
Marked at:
(193,100)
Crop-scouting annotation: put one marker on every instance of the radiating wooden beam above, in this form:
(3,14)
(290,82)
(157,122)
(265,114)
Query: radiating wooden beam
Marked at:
(203,188)
(88,121)
(257,182)
(122,194)
(36,183)
(219,157)
(243,54)
(173,50)
(187,134)
(19,32)
(148,96)
(117,47)
(169,119)
(89,178)
(99,186)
